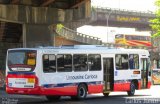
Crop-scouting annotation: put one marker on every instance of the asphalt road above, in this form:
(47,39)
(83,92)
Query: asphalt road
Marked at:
(148,96)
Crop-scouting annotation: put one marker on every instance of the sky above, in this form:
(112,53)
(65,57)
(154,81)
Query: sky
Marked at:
(101,32)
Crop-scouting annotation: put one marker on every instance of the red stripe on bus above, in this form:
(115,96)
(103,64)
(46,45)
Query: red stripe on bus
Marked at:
(131,43)
(27,91)
(139,84)
(141,42)
(149,84)
(122,86)
(95,88)
(70,90)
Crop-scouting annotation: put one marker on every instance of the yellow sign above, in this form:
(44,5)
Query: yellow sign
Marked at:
(31,61)
(31,80)
(130,19)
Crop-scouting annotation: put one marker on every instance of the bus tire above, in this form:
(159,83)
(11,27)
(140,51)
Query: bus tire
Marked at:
(81,92)
(132,89)
(106,94)
(53,98)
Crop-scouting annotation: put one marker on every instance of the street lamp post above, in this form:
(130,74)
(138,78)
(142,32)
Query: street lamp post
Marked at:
(108,23)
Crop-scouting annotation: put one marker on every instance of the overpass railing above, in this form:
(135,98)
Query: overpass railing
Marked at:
(124,11)
(76,36)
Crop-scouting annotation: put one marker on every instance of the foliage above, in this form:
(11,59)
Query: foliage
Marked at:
(155,23)
(59,27)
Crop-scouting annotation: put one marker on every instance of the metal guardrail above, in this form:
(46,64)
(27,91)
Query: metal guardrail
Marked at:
(116,10)
(76,36)
(148,14)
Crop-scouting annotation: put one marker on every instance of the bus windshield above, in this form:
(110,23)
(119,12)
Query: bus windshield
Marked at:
(22,57)
(119,36)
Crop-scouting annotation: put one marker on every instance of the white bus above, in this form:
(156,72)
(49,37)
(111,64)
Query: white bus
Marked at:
(76,71)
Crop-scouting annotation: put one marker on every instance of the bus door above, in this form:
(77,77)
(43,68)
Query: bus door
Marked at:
(108,66)
(144,72)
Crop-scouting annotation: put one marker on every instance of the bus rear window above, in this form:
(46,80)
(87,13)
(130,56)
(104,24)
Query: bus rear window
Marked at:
(22,57)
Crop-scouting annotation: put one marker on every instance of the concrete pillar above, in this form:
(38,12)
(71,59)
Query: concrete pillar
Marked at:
(24,35)
(36,35)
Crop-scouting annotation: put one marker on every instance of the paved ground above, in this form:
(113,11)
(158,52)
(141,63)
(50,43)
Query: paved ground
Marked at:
(149,96)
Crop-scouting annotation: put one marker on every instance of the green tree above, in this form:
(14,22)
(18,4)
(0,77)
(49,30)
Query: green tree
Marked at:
(155,23)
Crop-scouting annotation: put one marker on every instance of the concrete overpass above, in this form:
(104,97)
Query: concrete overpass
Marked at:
(121,18)
(34,17)
(25,22)
(43,11)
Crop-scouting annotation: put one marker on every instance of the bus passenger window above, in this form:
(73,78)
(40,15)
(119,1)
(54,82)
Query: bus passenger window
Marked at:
(49,63)
(64,63)
(121,62)
(80,62)
(94,62)
(133,61)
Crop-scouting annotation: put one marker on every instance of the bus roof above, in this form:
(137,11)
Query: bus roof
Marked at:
(84,49)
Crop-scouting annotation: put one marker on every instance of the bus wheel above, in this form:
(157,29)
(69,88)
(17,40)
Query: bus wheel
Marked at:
(53,98)
(132,89)
(81,92)
(106,94)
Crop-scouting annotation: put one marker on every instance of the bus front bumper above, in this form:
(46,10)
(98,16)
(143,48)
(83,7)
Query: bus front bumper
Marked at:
(24,91)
